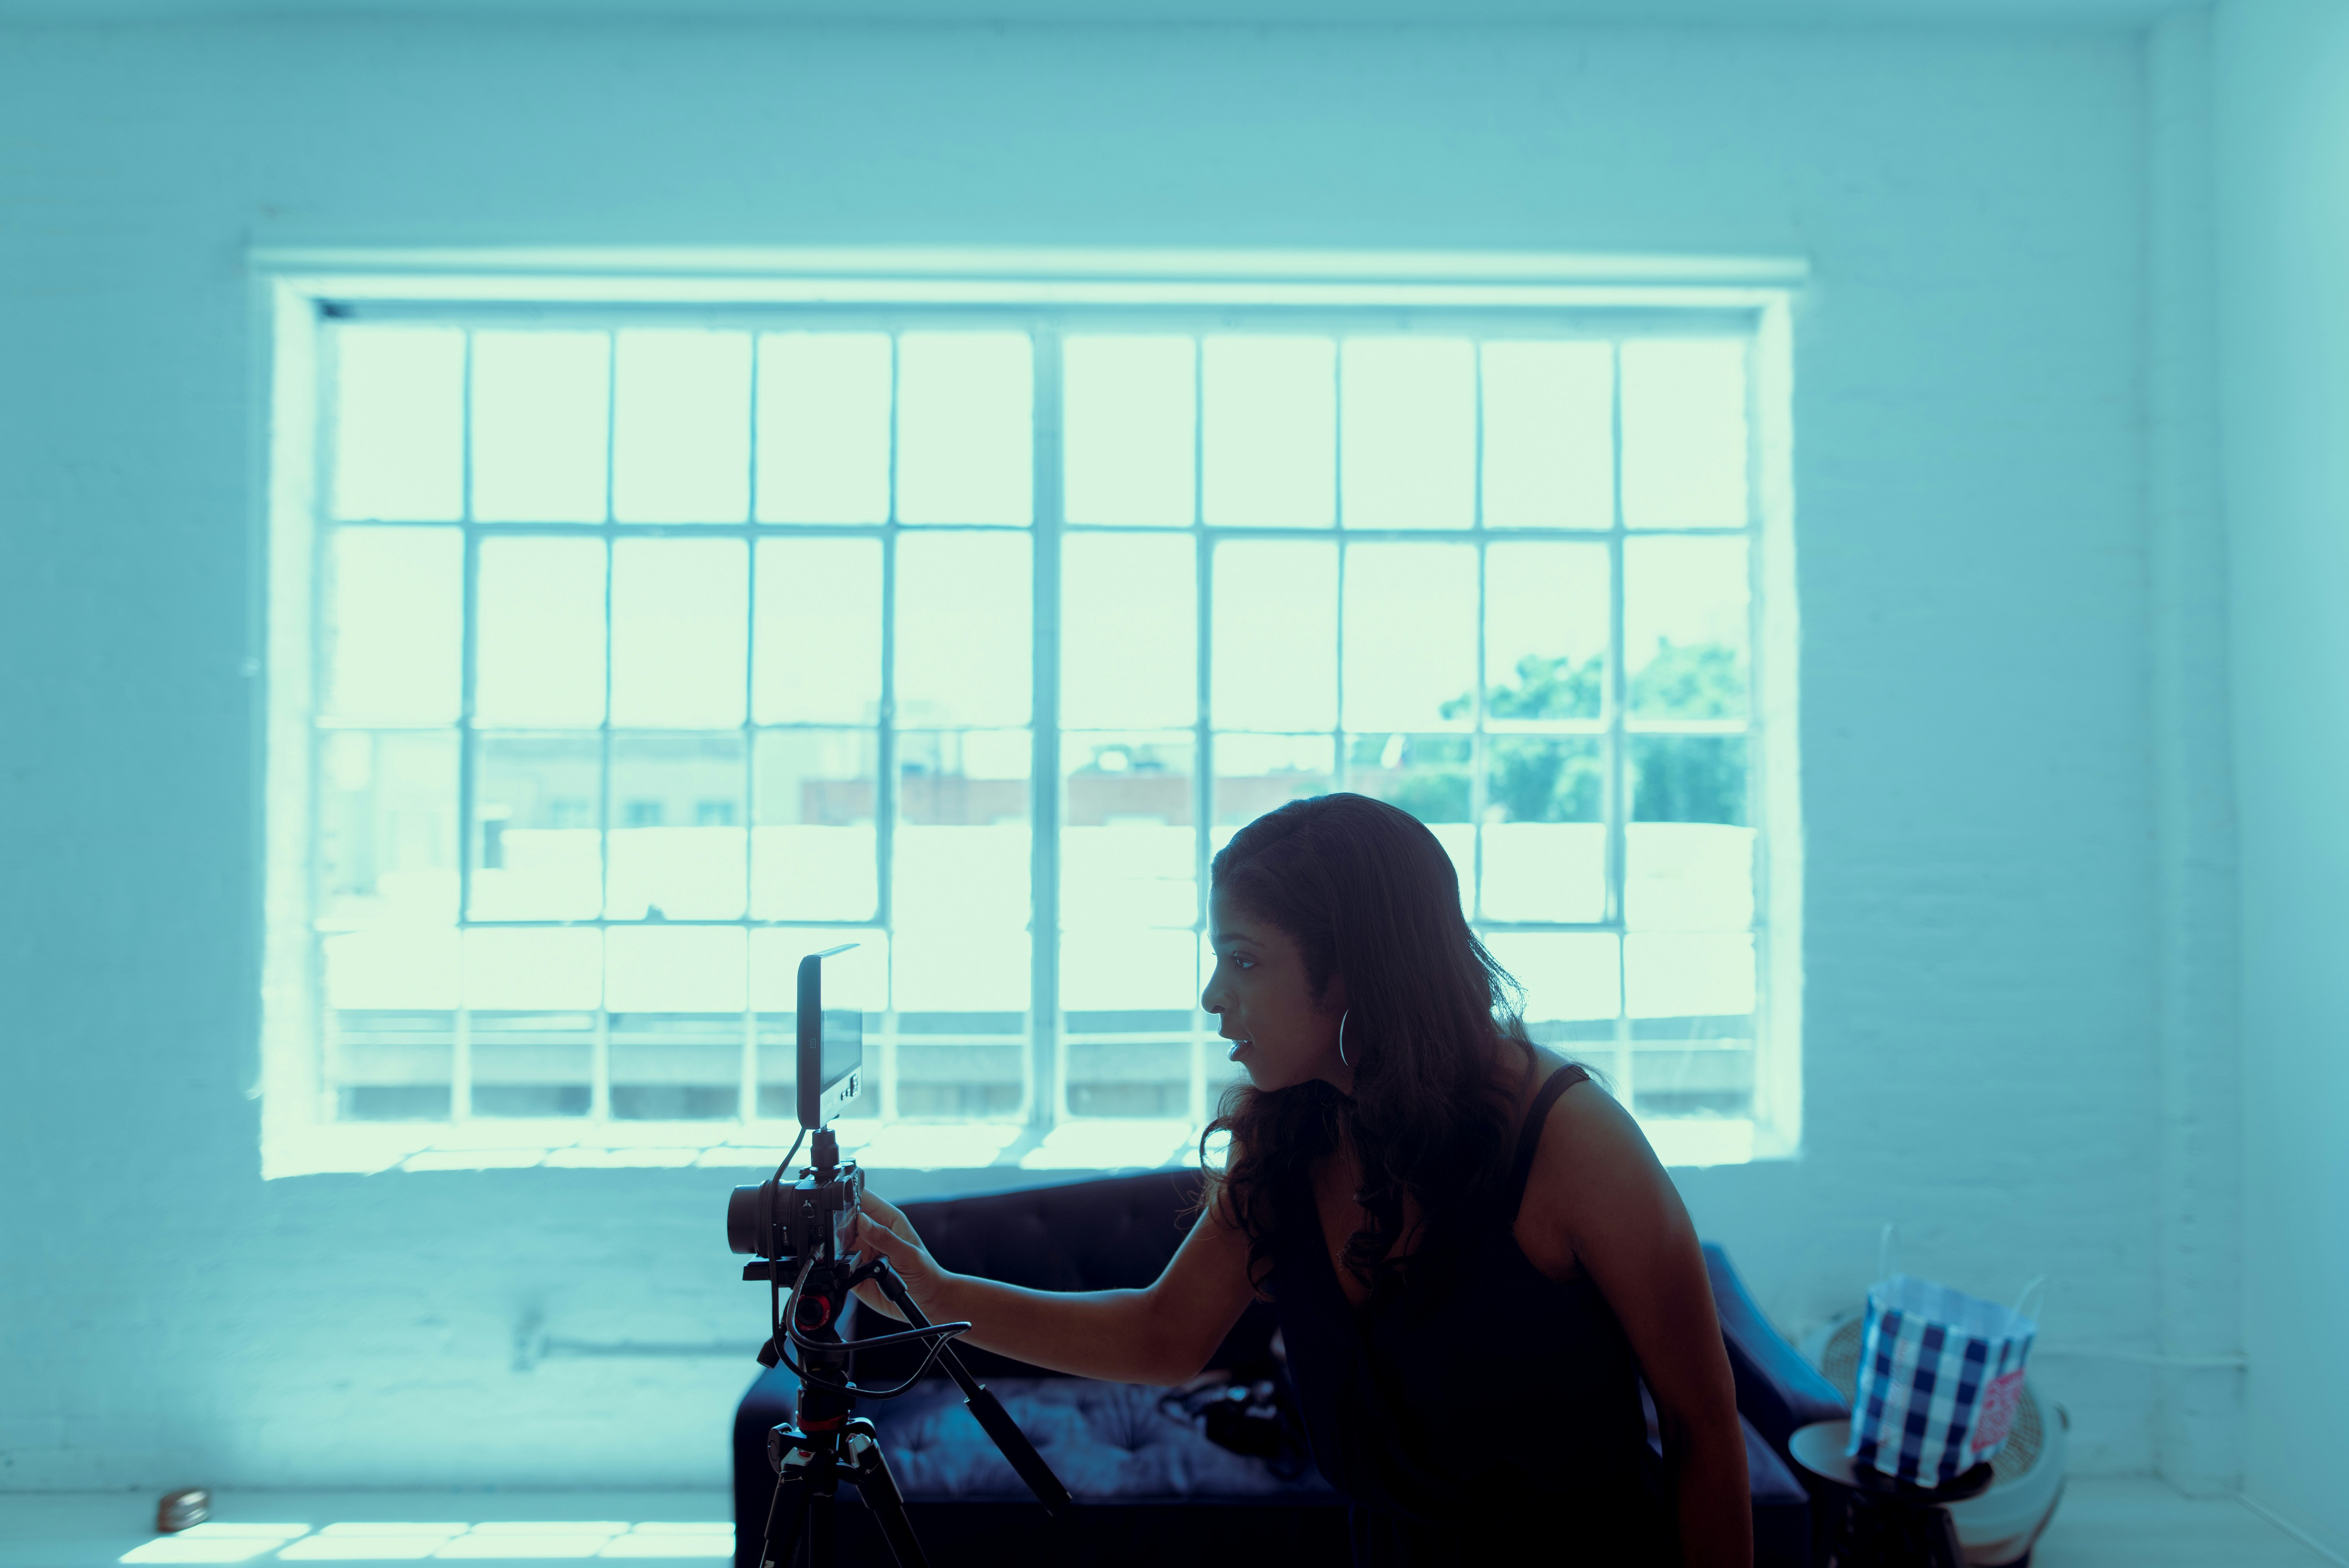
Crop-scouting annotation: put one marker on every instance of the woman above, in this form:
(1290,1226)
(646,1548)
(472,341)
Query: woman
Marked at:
(1473,1251)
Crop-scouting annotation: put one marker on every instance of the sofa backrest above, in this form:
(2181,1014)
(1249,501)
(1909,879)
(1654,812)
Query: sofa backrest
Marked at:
(1117,1233)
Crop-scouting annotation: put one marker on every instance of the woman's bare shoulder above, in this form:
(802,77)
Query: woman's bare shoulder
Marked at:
(1591,1153)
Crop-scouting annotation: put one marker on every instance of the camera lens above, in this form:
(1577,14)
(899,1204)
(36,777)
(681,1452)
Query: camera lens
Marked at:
(749,1218)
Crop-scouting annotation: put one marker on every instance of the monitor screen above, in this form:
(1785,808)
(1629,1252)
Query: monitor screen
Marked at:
(830,1038)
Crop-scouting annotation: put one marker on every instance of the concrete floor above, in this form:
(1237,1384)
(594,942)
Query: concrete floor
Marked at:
(2101,1525)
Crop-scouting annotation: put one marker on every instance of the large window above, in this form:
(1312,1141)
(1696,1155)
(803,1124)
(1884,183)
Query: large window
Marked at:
(646,650)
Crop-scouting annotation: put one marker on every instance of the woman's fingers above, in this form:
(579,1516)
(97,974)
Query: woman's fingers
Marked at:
(882,1213)
(904,1254)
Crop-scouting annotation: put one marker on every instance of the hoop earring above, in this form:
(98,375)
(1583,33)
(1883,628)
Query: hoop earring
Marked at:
(1341,1038)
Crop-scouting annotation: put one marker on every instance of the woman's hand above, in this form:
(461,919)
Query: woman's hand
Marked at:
(882,1227)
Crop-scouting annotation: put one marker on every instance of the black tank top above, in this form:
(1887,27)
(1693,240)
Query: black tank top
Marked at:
(1506,1420)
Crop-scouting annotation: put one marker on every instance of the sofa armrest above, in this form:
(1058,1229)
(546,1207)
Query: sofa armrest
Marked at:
(1777,1390)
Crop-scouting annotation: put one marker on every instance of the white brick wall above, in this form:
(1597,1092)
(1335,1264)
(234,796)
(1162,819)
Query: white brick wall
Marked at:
(1983,1028)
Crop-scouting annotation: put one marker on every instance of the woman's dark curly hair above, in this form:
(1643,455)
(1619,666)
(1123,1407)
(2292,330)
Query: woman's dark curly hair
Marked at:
(1366,893)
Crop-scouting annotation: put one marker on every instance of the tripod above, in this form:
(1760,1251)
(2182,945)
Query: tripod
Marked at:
(827,1444)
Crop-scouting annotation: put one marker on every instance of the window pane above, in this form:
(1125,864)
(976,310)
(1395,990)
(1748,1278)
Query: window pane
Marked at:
(1544,631)
(676,996)
(1541,778)
(966,404)
(1678,975)
(1570,979)
(1255,773)
(1684,434)
(1275,636)
(1127,844)
(534,966)
(1688,778)
(1689,876)
(1411,635)
(1130,414)
(858,977)
(392,999)
(813,854)
(1269,447)
(680,626)
(678,835)
(962,629)
(824,426)
(1550,434)
(1545,837)
(1410,444)
(1684,627)
(537,841)
(1129,630)
(1706,1069)
(540,648)
(541,420)
(1427,776)
(681,430)
(532,996)
(387,827)
(395,623)
(817,644)
(399,423)
(410,968)
(962,841)
(961,996)
(1130,995)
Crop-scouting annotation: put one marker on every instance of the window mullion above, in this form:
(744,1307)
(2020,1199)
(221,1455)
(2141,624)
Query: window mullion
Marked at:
(1046,1104)
(1203,754)
(1479,751)
(327,1099)
(884,761)
(461,1043)
(747,1109)
(599,1084)
(1618,804)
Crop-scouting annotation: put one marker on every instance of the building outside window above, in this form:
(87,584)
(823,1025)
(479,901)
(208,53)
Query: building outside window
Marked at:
(624,651)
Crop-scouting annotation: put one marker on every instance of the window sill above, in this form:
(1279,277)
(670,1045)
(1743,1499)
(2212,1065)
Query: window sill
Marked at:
(361,1148)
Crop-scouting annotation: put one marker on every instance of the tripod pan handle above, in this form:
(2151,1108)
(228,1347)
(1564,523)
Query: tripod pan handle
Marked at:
(993,1418)
(1016,1447)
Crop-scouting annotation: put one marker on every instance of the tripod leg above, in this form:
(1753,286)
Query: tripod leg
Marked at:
(786,1523)
(869,1469)
(787,1513)
(823,1547)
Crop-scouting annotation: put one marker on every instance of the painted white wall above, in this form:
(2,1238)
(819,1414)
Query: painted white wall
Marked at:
(2197,1035)
(1970,474)
(2281,91)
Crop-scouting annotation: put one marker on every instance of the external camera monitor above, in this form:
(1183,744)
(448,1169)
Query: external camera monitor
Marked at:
(832,1039)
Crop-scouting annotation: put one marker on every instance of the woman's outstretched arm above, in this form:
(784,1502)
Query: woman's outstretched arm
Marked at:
(1597,1179)
(1161,1334)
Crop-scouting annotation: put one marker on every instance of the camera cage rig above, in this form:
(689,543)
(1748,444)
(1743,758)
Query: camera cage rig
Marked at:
(809,1223)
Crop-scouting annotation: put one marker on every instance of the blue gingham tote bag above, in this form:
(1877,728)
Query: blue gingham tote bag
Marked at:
(1941,1374)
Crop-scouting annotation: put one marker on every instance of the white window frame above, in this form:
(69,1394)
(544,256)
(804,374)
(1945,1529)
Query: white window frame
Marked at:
(297,291)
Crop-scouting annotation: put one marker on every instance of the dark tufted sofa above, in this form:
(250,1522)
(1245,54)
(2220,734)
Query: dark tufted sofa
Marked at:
(1150,1489)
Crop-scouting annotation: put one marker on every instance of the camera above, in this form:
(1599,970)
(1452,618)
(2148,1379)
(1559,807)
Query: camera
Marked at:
(798,1235)
(814,1215)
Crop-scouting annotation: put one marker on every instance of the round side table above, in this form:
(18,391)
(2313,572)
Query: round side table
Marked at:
(1868,1520)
